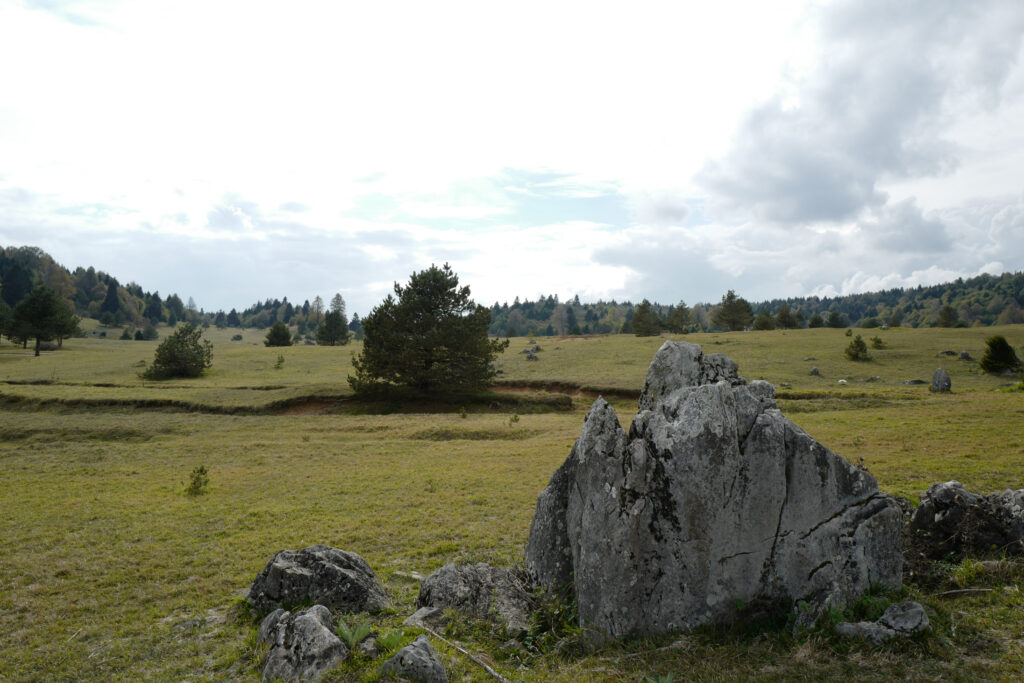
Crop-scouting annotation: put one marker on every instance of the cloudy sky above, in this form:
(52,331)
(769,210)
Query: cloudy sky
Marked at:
(235,151)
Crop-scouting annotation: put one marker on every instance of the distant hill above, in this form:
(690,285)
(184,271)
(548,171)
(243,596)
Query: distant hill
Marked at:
(982,300)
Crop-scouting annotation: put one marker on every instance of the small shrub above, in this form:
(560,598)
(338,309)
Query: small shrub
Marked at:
(512,420)
(125,336)
(849,332)
(462,413)
(236,337)
(857,350)
(183,354)
(278,335)
(999,356)
(200,477)
(877,343)
(280,362)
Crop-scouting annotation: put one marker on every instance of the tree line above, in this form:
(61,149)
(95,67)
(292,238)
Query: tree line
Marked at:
(982,300)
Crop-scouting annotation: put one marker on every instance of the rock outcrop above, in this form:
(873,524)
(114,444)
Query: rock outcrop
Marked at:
(416,662)
(320,574)
(300,646)
(712,499)
(480,590)
(952,519)
(941,381)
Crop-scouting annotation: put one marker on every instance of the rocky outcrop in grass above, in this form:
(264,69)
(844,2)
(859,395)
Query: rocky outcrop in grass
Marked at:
(711,502)
(951,519)
(320,574)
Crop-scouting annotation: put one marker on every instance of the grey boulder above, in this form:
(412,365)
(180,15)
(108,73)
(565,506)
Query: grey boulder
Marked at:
(480,590)
(328,576)
(941,381)
(952,519)
(300,646)
(416,662)
(903,619)
(712,499)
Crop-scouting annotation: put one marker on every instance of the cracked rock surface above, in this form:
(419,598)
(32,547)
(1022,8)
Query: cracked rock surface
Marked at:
(300,646)
(713,499)
(339,579)
(481,590)
(952,519)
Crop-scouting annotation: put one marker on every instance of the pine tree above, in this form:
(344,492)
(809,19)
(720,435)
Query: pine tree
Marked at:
(645,321)
(333,331)
(429,336)
(734,312)
(278,335)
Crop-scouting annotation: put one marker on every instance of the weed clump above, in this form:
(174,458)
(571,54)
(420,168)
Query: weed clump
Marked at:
(199,479)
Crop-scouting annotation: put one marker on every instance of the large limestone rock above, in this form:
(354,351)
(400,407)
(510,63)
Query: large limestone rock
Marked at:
(952,519)
(941,382)
(336,578)
(481,590)
(300,646)
(712,499)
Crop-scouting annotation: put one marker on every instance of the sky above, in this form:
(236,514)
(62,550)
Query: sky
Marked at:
(238,151)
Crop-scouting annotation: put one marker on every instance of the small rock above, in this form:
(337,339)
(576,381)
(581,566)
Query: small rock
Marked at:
(416,662)
(369,648)
(914,381)
(964,355)
(941,381)
(480,590)
(946,353)
(424,617)
(868,630)
(905,618)
(530,355)
(815,372)
(873,378)
(328,576)
(301,646)
(810,358)
(842,381)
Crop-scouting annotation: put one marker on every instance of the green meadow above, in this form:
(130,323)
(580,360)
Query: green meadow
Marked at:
(110,571)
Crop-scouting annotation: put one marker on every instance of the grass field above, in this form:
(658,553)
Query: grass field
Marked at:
(109,571)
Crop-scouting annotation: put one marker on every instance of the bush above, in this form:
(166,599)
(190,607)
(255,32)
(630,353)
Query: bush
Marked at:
(236,337)
(183,354)
(278,335)
(857,350)
(877,343)
(999,356)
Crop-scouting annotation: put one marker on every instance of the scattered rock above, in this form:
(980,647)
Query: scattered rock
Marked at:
(914,381)
(945,353)
(301,646)
(340,579)
(481,590)
(712,497)
(815,372)
(952,519)
(903,619)
(424,617)
(810,358)
(530,355)
(842,381)
(873,378)
(369,647)
(941,381)
(535,348)
(964,355)
(416,662)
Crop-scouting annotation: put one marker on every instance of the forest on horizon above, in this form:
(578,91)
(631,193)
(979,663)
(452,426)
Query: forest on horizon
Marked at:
(979,301)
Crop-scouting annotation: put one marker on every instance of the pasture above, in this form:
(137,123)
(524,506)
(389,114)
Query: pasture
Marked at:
(109,571)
